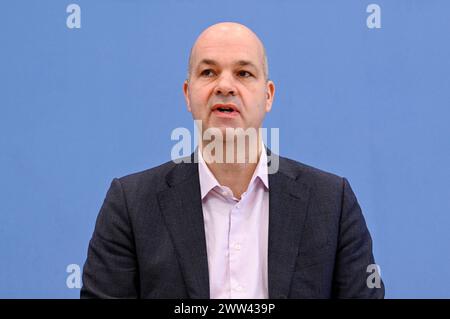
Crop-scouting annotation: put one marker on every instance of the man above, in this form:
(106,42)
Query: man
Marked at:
(229,229)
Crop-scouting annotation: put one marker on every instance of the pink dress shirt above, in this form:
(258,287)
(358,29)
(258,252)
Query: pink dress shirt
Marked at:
(236,234)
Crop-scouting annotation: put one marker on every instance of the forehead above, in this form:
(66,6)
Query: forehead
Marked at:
(228,48)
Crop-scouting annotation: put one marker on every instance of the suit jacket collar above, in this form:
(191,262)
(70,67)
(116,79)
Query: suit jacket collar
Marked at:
(181,207)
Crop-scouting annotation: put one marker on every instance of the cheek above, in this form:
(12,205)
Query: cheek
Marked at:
(199,97)
(255,107)
(199,103)
(255,101)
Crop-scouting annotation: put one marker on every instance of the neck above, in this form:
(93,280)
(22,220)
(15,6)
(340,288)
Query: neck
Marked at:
(235,173)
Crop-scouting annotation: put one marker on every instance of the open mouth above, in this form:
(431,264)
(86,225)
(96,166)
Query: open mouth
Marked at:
(225,109)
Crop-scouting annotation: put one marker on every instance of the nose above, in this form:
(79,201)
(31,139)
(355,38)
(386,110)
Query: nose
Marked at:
(225,86)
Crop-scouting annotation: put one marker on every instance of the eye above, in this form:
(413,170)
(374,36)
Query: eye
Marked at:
(207,73)
(244,74)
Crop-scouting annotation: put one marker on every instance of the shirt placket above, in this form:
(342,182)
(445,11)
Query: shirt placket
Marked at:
(237,284)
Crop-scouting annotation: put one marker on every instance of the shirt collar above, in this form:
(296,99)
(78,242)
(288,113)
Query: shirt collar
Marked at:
(208,181)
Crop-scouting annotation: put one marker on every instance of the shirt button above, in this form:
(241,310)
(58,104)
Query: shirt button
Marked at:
(239,288)
(237,246)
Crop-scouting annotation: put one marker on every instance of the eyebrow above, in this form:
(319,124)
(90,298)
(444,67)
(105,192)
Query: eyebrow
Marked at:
(208,62)
(240,62)
(246,63)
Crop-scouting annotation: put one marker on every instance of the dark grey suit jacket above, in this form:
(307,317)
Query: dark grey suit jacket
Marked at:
(149,238)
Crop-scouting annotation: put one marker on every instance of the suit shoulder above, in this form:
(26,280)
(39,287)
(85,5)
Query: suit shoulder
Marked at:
(326,188)
(310,175)
(152,177)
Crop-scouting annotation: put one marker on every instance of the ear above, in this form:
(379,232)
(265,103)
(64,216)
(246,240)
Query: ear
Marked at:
(186,94)
(270,93)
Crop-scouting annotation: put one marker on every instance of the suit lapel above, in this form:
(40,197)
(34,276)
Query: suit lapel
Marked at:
(288,200)
(182,211)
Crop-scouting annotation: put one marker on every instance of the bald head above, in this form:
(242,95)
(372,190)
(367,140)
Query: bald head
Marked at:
(228,34)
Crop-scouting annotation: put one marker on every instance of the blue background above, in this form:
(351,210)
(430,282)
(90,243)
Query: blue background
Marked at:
(81,106)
